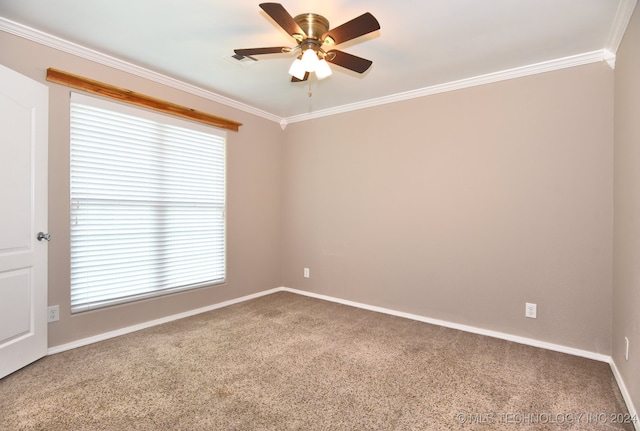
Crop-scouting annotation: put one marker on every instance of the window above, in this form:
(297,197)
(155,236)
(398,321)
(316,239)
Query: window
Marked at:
(147,204)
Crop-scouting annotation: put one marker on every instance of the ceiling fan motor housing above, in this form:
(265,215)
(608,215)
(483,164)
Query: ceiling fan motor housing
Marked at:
(314,26)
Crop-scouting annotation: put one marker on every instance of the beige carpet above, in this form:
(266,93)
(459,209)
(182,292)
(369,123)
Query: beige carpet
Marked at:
(288,362)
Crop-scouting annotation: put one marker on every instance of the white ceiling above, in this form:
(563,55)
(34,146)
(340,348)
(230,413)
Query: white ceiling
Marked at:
(421,44)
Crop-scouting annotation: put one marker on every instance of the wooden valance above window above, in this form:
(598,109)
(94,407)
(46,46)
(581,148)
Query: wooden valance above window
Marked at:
(128,96)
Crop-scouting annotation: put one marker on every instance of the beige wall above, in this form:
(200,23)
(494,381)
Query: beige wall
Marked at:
(626,288)
(254,189)
(463,206)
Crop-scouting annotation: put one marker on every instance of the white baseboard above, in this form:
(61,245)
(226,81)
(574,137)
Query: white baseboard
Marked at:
(625,394)
(466,328)
(129,329)
(444,323)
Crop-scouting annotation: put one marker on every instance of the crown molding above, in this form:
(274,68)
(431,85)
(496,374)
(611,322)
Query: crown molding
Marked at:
(51,41)
(623,15)
(518,72)
(620,23)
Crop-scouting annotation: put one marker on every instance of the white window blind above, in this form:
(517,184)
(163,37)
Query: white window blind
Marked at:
(147,204)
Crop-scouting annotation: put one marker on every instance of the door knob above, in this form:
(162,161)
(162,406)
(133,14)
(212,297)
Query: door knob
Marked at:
(43,236)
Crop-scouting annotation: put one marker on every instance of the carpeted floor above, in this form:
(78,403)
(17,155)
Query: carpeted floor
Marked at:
(288,362)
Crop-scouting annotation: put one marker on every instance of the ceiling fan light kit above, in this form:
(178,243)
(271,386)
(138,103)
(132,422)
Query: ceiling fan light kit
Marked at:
(311,31)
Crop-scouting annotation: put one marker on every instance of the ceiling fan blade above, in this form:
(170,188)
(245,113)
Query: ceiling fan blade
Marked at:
(306,76)
(258,51)
(348,61)
(364,24)
(279,14)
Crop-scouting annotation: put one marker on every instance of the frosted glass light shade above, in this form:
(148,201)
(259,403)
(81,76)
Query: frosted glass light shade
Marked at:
(310,60)
(322,69)
(297,69)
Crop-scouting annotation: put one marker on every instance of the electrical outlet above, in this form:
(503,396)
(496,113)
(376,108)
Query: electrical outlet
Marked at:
(626,348)
(306,273)
(53,313)
(531,310)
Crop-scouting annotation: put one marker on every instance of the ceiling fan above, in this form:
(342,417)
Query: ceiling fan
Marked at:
(312,33)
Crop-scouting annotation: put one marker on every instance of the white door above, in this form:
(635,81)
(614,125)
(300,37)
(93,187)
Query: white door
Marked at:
(23,213)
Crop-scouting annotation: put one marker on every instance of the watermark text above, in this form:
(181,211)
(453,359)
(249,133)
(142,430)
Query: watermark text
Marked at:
(545,418)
